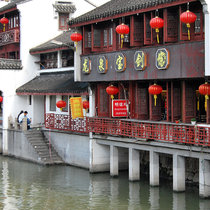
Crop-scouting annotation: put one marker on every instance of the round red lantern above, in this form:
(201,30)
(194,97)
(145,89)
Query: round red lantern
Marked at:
(187,18)
(4,21)
(76,37)
(112,90)
(61,104)
(157,23)
(204,89)
(85,104)
(1,99)
(122,29)
(155,90)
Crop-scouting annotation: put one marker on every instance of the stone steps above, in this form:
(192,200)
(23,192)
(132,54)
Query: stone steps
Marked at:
(41,146)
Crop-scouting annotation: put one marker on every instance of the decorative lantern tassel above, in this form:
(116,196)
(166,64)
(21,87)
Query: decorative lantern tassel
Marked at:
(61,109)
(198,105)
(188,30)
(3,27)
(206,98)
(157,31)
(122,37)
(112,97)
(76,45)
(155,97)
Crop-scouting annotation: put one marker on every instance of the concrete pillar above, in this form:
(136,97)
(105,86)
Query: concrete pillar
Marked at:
(134,165)
(204,180)
(114,162)
(154,168)
(134,195)
(24,124)
(178,173)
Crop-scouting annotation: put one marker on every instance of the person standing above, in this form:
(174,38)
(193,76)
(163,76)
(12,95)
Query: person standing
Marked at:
(23,115)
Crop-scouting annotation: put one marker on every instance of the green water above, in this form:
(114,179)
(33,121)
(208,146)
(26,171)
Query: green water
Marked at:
(29,186)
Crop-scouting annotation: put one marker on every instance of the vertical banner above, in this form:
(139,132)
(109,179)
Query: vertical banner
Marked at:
(76,107)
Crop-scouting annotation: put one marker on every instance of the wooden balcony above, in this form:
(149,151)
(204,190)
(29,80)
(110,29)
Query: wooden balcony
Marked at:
(135,129)
(9,37)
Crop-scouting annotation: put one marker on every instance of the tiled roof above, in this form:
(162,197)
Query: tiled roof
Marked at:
(11,5)
(64,40)
(53,83)
(115,7)
(10,64)
(64,8)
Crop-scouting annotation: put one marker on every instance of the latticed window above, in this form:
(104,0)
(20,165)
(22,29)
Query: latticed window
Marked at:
(52,103)
(63,21)
(48,60)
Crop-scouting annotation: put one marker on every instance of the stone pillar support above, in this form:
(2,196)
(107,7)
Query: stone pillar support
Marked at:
(178,173)
(134,165)
(114,162)
(204,180)
(154,168)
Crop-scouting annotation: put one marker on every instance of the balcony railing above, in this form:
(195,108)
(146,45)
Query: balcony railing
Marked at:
(9,37)
(157,131)
(10,64)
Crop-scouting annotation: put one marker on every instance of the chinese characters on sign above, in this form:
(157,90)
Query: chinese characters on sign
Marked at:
(76,107)
(162,58)
(86,65)
(140,60)
(120,108)
(102,64)
(120,62)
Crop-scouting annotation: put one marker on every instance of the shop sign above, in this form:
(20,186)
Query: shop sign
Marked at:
(140,60)
(162,58)
(120,108)
(102,64)
(86,65)
(120,62)
(76,107)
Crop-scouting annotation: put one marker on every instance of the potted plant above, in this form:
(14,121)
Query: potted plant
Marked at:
(193,121)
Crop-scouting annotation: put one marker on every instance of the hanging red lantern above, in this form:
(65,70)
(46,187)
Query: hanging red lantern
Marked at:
(85,104)
(122,29)
(155,90)
(112,90)
(204,89)
(4,21)
(1,99)
(61,104)
(157,23)
(76,37)
(188,18)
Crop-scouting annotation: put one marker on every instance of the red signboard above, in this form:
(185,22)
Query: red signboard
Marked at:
(120,108)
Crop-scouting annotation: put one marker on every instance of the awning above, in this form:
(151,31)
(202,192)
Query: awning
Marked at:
(53,84)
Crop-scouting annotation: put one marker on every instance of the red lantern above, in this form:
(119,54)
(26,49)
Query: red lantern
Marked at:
(76,37)
(187,18)
(204,89)
(1,99)
(61,104)
(85,104)
(122,29)
(4,21)
(157,23)
(155,90)
(112,90)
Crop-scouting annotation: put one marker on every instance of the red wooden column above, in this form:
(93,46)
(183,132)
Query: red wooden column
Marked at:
(208,112)
(168,100)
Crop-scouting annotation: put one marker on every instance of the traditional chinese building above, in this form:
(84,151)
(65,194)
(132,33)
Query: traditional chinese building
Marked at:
(152,61)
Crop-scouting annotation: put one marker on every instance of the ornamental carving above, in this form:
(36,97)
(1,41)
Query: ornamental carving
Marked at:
(8,37)
(162,58)
(120,62)
(140,60)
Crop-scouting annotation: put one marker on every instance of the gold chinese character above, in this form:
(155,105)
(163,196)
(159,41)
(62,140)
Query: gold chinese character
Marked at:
(119,62)
(139,61)
(85,66)
(161,59)
(101,64)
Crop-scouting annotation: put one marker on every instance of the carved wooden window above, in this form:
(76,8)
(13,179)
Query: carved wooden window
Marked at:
(102,101)
(137,30)
(97,38)
(171,17)
(48,60)
(67,57)
(108,38)
(196,29)
(147,29)
(63,21)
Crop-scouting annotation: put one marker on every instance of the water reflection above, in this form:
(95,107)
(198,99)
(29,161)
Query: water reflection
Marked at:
(27,186)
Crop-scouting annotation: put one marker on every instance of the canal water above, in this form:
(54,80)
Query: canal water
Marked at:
(28,186)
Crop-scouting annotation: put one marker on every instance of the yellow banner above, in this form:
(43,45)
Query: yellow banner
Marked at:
(76,107)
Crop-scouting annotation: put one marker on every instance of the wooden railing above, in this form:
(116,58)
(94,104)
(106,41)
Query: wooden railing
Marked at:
(8,37)
(158,131)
